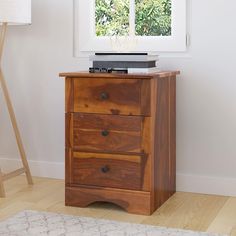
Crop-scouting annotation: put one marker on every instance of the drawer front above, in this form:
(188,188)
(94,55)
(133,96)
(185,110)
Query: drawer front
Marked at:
(111,96)
(107,170)
(106,133)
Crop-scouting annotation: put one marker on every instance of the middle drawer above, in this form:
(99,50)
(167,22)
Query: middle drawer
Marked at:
(105,133)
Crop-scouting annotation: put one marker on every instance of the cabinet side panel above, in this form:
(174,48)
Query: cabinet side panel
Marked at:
(145,97)
(68,166)
(146,149)
(69,96)
(164,157)
(68,109)
(68,130)
(172,89)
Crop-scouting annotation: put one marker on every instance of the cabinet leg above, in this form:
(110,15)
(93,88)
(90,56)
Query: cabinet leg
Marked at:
(132,202)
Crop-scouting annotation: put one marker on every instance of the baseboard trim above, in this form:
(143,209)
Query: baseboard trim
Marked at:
(206,184)
(185,182)
(55,170)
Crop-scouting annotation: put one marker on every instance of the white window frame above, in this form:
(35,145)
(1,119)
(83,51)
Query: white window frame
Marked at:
(86,41)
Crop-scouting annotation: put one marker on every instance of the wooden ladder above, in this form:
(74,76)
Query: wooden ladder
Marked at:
(25,169)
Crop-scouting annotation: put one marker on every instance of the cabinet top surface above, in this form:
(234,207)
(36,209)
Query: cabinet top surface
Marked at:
(162,74)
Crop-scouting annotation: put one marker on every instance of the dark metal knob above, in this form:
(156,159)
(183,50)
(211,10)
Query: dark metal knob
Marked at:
(105,133)
(105,169)
(104,96)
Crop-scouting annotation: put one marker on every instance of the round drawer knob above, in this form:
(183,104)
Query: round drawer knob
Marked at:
(105,169)
(105,133)
(104,96)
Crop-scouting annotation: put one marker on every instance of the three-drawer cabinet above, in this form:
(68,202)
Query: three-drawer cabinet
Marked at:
(120,139)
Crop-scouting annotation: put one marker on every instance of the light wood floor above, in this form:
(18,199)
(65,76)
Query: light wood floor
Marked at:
(184,210)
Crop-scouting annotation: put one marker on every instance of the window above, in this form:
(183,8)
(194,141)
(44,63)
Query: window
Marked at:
(133,25)
(133,17)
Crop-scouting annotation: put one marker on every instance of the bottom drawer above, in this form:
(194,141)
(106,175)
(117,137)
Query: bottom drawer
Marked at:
(107,170)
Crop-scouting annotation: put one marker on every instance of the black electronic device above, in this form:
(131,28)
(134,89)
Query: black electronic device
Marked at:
(108,70)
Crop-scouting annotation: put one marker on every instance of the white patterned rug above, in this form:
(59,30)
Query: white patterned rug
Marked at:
(33,223)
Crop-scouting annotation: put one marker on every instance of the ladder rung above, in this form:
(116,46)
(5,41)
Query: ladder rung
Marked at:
(13,174)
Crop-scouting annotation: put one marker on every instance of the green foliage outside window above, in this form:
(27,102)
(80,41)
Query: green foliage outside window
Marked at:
(152,17)
(112,17)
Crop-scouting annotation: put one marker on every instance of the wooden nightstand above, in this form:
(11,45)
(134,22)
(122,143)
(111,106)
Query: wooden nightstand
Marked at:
(121,139)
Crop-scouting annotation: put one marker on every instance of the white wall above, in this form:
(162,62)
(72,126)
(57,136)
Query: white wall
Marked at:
(206,110)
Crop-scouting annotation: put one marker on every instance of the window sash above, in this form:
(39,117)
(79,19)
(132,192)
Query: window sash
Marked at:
(132,18)
(86,40)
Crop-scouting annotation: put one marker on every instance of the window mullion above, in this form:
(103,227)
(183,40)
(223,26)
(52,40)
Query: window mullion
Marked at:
(132,18)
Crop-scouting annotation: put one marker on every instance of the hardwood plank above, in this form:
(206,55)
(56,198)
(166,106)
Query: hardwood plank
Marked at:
(225,221)
(183,210)
(118,214)
(2,189)
(96,210)
(14,208)
(50,200)
(188,211)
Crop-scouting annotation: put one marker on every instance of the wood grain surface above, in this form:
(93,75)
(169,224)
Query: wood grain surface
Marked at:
(107,170)
(108,133)
(199,212)
(136,202)
(107,122)
(85,74)
(107,96)
(121,134)
(163,140)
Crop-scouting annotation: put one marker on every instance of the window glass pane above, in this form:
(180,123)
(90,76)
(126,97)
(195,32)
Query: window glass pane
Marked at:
(153,17)
(112,17)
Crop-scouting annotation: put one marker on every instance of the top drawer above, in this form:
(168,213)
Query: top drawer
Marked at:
(110,96)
